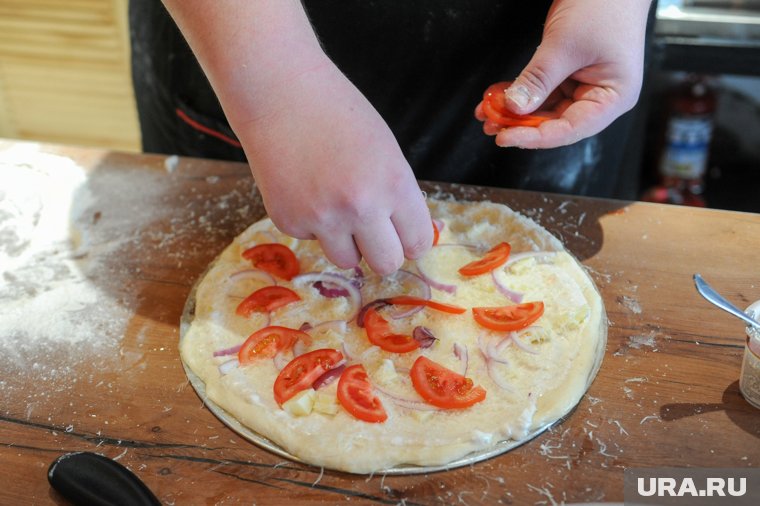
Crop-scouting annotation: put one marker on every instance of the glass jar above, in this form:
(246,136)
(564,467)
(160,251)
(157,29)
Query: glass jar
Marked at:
(749,381)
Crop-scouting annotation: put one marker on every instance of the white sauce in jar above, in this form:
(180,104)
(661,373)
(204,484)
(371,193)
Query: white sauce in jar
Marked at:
(749,381)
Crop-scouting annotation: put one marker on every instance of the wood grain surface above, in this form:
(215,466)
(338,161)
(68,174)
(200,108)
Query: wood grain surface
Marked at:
(143,230)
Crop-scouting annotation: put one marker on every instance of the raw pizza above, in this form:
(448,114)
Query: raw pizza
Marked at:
(495,333)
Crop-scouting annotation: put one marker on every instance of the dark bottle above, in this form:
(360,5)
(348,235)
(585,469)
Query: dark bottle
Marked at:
(686,147)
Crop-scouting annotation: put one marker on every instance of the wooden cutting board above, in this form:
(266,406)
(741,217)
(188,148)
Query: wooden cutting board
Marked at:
(104,248)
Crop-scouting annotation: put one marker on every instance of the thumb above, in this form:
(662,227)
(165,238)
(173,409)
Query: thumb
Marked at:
(548,68)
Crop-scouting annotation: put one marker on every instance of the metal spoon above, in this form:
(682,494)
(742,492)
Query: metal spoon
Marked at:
(711,295)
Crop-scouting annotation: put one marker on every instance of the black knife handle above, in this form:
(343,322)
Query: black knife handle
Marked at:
(86,478)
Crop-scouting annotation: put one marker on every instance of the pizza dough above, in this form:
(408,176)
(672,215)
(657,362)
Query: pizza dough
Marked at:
(532,377)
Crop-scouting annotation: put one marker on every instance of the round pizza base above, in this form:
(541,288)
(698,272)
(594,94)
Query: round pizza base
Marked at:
(549,418)
(230,421)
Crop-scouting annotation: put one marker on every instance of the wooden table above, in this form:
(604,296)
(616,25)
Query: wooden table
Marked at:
(97,368)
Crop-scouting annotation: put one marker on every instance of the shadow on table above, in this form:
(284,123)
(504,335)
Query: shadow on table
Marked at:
(741,413)
(154,223)
(573,220)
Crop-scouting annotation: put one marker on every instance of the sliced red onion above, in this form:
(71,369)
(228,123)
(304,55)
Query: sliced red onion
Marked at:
(299,348)
(514,296)
(460,351)
(489,351)
(256,274)
(377,303)
(358,279)
(401,369)
(330,290)
(496,378)
(232,350)
(349,356)
(330,375)
(516,257)
(504,342)
(339,326)
(433,283)
(305,327)
(524,345)
(282,359)
(424,336)
(404,402)
(425,293)
(226,367)
(354,295)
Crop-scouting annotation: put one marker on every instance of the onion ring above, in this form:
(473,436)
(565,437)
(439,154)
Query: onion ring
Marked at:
(512,295)
(424,286)
(226,367)
(433,283)
(354,295)
(330,375)
(256,274)
(460,351)
(232,350)
(404,402)
(524,345)
(528,254)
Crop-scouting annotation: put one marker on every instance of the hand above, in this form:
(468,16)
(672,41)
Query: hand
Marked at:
(327,165)
(586,73)
(329,168)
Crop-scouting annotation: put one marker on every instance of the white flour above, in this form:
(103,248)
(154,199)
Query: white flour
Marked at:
(49,307)
(78,252)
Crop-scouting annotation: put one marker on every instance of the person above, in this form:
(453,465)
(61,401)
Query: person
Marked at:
(334,102)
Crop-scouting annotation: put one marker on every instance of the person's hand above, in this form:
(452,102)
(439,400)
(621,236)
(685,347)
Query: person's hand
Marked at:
(585,74)
(329,168)
(326,164)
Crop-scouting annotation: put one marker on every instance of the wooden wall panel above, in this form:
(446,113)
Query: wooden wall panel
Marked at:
(64,73)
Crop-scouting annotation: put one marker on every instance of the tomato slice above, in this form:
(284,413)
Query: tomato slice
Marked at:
(266,299)
(408,300)
(356,397)
(494,258)
(301,372)
(442,387)
(495,108)
(436,234)
(380,334)
(274,258)
(508,317)
(267,342)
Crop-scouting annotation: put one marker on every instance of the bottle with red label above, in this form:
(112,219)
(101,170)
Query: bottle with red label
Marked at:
(686,147)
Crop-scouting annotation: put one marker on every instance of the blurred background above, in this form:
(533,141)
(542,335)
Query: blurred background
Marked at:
(65,78)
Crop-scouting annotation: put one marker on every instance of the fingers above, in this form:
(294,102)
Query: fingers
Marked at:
(381,247)
(579,119)
(544,73)
(413,225)
(340,249)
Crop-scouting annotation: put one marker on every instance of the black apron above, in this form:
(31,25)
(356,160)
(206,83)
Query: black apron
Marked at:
(423,64)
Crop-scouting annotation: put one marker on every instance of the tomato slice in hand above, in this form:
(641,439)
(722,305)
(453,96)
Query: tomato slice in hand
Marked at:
(494,258)
(268,342)
(494,107)
(356,397)
(380,334)
(274,258)
(303,371)
(408,300)
(442,387)
(508,317)
(266,299)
